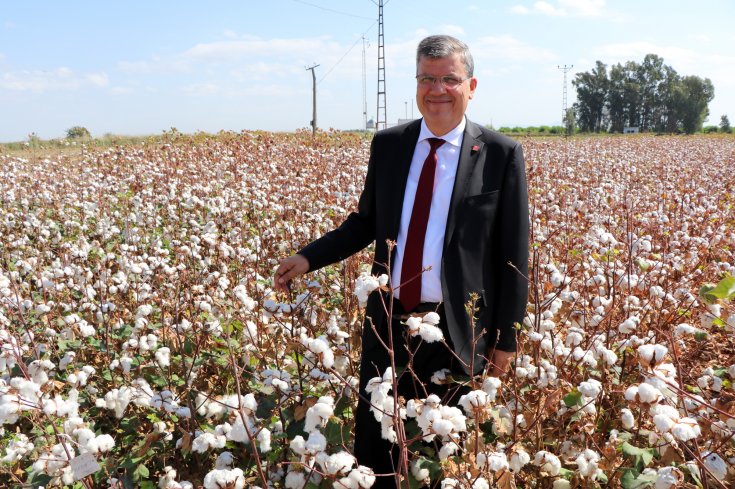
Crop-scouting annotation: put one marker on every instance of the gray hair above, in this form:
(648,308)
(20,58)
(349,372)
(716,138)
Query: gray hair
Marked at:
(443,46)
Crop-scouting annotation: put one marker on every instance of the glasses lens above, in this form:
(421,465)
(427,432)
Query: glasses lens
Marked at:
(451,82)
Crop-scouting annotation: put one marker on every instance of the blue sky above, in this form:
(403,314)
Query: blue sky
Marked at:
(139,67)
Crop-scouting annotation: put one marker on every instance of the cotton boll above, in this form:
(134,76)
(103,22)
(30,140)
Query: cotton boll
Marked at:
(295,480)
(339,463)
(474,401)
(447,450)
(316,443)
(298,445)
(590,388)
(668,478)
(548,462)
(163,357)
(219,478)
(480,483)
(264,440)
(518,459)
(494,461)
(626,416)
(491,385)
(686,429)
(650,355)
(587,463)
(716,465)
(421,474)
(648,394)
(364,476)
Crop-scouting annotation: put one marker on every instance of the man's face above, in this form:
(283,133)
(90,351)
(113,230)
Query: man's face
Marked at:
(443,107)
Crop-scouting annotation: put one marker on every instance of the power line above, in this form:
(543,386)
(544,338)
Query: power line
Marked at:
(331,10)
(346,53)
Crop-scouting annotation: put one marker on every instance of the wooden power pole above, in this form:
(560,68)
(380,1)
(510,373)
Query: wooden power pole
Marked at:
(313,97)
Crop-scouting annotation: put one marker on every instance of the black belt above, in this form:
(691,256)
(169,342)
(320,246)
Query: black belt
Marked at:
(420,310)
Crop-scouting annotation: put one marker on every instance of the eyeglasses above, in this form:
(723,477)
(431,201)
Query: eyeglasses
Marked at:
(446,81)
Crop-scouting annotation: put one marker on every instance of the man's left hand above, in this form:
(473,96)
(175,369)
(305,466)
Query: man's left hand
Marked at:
(500,362)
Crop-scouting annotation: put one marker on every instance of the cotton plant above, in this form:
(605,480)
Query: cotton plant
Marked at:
(135,284)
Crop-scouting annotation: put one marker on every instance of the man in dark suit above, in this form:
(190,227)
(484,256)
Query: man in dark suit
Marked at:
(470,238)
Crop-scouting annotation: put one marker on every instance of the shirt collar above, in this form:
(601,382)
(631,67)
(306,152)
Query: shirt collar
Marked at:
(453,137)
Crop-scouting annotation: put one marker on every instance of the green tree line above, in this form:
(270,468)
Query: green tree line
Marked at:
(650,95)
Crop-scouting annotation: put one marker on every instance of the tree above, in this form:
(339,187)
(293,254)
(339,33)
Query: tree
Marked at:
(569,122)
(725,124)
(78,132)
(650,95)
(592,88)
(692,95)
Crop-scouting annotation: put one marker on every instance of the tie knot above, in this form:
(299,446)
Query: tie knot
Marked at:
(435,143)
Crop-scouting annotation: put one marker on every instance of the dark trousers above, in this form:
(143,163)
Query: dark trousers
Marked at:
(370,448)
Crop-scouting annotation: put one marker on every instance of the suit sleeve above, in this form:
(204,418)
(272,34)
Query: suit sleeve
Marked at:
(354,234)
(513,243)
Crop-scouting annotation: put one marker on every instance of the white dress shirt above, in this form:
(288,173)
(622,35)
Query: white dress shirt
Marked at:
(446,171)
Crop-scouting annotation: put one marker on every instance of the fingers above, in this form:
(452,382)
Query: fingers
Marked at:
(289,269)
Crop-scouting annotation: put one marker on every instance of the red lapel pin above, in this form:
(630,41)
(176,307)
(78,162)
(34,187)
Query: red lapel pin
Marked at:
(475,148)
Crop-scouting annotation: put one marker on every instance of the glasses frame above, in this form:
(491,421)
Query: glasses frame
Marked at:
(428,80)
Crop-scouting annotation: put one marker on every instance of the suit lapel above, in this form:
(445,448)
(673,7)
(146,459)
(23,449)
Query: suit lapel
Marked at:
(404,155)
(468,154)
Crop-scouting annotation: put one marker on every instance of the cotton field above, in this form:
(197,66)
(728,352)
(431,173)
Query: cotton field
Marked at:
(142,344)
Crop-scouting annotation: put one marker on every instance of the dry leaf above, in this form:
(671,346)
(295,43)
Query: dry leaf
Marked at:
(506,480)
(299,411)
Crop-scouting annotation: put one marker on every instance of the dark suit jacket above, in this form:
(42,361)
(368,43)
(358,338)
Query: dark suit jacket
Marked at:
(485,244)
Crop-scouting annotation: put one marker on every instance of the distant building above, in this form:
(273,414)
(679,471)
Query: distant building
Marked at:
(370,124)
(631,130)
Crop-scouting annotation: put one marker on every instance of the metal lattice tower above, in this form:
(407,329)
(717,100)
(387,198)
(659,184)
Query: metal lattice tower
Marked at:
(364,86)
(565,69)
(381,117)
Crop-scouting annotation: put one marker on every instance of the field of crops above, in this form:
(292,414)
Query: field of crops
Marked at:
(142,345)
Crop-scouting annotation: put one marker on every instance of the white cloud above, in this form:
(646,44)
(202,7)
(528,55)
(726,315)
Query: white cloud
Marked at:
(637,50)
(451,30)
(61,78)
(225,51)
(98,79)
(564,8)
(510,48)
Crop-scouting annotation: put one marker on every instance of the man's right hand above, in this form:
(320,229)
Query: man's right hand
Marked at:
(290,268)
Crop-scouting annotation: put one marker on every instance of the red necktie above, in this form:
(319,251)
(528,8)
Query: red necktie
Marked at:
(413,252)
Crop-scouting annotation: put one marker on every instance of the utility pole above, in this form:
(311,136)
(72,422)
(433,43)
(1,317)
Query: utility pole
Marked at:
(381,117)
(313,97)
(364,86)
(565,69)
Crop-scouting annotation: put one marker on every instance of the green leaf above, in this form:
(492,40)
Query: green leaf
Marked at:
(574,398)
(724,290)
(335,433)
(141,472)
(488,434)
(632,479)
(641,456)
(701,336)
(265,407)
